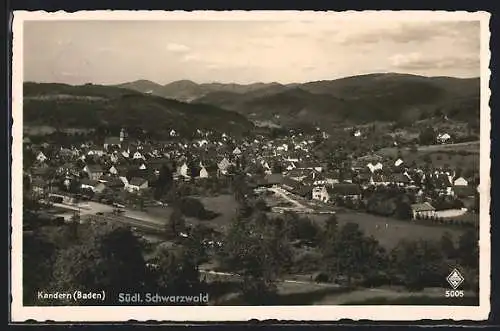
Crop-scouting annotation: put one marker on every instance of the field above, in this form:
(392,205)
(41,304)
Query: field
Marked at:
(40,130)
(224,205)
(374,225)
(396,230)
(463,155)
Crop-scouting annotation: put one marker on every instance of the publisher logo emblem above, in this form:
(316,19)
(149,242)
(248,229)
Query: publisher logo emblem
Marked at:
(455,279)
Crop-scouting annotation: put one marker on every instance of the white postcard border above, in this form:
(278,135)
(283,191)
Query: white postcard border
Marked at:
(20,313)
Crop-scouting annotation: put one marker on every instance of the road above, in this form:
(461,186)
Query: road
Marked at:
(282,193)
(290,281)
(139,224)
(92,208)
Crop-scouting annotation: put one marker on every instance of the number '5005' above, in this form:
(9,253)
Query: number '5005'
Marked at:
(454,294)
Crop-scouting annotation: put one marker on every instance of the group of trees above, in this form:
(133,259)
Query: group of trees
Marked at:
(257,250)
(427,136)
(103,256)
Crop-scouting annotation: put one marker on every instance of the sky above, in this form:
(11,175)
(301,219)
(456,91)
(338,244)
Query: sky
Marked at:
(113,52)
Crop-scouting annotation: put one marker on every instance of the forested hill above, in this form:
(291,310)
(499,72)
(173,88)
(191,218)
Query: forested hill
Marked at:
(89,106)
(357,99)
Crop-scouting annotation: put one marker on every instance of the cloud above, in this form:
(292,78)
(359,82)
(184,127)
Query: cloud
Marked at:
(177,48)
(190,58)
(416,61)
(401,33)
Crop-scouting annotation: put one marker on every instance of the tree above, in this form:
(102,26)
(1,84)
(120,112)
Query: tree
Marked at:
(176,224)
(348,252)
(38,258)
(110,259)
(427,136)
(418,264)
(194,244)
(468,248)
(448,246)
(303,228)
(176,272)
(261,205)
(259,251)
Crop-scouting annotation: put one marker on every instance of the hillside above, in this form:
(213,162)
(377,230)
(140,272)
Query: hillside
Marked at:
(186,90)
(358,99)
(88,106)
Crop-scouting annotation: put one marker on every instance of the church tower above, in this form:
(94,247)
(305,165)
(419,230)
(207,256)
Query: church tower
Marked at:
(123,135)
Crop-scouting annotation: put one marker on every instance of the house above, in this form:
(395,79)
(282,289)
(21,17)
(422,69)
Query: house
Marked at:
(375,167)
(111,142)
(400,179)
(298,174)
(271,180)
(95,151)
(224,166)
(138,155)
(93,185)
(443,138)
(93,171)
(137,184)
(183,170)
(68,169)
(379,179)
(320,193)
(423,210)
(41,157)
(318,179)
(398,162)
(113,170)
(114,158)
(203,172)
(236,151)
(345,190)
(290,166)
(111,181)
(460,181)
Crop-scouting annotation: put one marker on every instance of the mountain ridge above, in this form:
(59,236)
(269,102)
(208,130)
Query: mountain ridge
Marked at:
(63,105)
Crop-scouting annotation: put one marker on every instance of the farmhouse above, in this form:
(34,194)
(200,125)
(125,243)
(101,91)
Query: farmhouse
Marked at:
(423,210)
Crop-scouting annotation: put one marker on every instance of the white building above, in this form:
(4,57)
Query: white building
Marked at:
(460,181)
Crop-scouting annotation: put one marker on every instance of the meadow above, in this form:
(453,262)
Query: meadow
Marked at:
(371,225)
(463,155)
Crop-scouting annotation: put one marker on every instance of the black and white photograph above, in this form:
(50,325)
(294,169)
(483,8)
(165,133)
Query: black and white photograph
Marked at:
(190,166)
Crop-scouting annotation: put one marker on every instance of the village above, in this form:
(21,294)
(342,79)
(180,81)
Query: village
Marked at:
(287,166)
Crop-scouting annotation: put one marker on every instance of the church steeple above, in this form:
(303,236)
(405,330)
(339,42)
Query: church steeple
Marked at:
(123,135)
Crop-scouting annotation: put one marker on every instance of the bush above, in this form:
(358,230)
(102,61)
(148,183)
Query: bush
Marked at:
(192,207)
